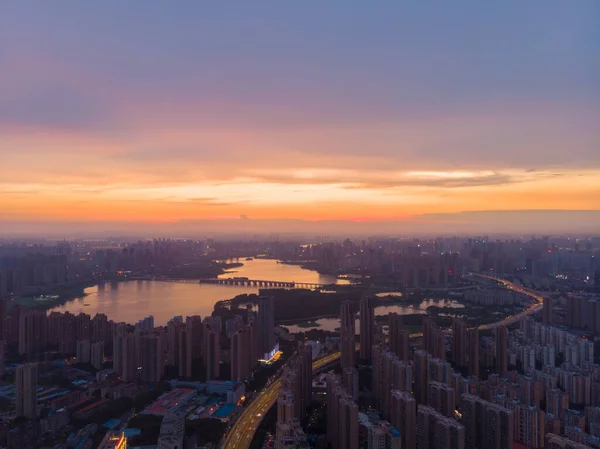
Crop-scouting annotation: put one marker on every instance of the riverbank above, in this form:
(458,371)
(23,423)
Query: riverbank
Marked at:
(303,322)
(49,298)
(308,324)
(46,299)
(310,265)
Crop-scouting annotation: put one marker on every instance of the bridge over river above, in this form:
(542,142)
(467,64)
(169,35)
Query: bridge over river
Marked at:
(245,282)
(239,281)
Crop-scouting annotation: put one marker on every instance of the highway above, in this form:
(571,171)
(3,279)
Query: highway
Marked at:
(241,433)
(519,316)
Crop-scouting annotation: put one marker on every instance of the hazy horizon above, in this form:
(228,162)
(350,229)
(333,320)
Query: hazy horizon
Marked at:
(537,222)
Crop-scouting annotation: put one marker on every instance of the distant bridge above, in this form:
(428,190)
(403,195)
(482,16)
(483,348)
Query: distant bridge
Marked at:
(243,282)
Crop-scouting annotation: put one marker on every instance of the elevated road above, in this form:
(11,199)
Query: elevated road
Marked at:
(241,433)
(539,303)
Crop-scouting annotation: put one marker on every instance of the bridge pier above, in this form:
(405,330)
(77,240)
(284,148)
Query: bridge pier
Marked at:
(250,283)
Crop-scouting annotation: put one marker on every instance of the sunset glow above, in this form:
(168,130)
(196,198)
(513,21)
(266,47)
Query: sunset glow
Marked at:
(185,119)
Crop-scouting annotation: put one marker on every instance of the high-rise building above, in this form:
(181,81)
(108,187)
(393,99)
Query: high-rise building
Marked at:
(242,361)
(3,318)
(66,335)
(97,354)
(547,310)
(350,382)
(212,349)
(459,342)
(129,363)
(502,350)
(285,414)
(342,416)
(120,332)
(425,330)
(293,400)
(398,336)
(54,322)
(574,418)
(26,377)
(473,348)
(304,365)
(439,371)
(285,405)
(152,356)
(421,361)
(193,327)
(435,430)
(14,322)
(529,426)
(265,325)
(441,397)
(83,327)
(557,402)
(185,368)
(347,334)
(124,353)
(404,417)
(113,440)
(367,316)
(145,324)
(389,372)
(434,340)
(83,351)
(99,327)
(297,380)
(377,373)
(174,329)
(398,375)
(487,425)
(32,332)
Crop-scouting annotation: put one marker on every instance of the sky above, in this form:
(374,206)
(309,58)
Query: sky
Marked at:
(338,111)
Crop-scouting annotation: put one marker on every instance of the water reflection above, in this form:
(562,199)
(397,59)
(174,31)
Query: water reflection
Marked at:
(131,301)
(332,324)
(272,270)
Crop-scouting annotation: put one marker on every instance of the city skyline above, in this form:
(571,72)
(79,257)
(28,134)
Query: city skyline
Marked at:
(338,117)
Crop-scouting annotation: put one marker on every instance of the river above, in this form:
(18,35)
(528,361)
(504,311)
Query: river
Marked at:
(130,301)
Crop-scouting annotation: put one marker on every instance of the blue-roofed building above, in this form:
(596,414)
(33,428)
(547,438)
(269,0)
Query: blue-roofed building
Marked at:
(111,423)
(131,432)
(224,411)
(219,386)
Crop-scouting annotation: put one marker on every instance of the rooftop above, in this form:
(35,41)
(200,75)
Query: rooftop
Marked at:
(169,400)
(224,411)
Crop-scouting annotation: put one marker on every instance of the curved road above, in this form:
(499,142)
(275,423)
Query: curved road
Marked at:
(241,434)
(519,316)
